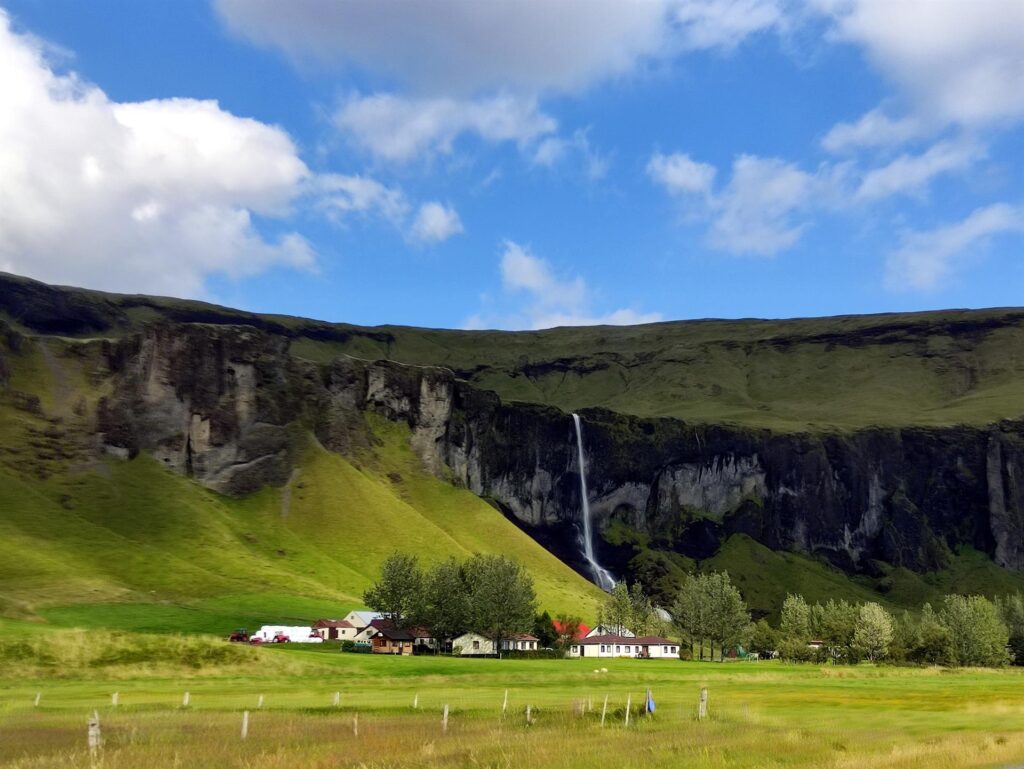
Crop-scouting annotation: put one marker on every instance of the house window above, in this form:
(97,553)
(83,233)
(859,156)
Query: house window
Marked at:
(617,648)
(603,649)
(673,650)
(476,644)
(627,650)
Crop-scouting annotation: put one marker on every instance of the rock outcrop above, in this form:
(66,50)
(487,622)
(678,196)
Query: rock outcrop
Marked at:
(229,405)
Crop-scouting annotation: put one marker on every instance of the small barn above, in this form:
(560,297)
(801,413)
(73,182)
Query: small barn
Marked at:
(391,640)
(335,629)
(473,645)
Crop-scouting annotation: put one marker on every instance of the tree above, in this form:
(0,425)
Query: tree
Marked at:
(502,598)
(729,618)
(874,631)
(617,611)
(934,643)
(642,617)
(1011,612)
(835,626)
(444,606)
(763,639)
(396,594)
(795,623)
(545,631)
(977,634)
(690,612)
(569,629)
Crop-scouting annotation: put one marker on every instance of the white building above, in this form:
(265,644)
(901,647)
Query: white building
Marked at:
(645,647)
(361,619)
(520,642)
(473,645)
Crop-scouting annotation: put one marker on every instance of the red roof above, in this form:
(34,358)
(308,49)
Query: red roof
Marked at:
(647,640)
(321,623)
(560,628)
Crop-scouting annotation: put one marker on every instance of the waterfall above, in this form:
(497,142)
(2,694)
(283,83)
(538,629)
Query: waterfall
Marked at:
(602,577)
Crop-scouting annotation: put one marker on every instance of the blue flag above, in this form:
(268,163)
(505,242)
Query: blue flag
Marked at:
(649,705)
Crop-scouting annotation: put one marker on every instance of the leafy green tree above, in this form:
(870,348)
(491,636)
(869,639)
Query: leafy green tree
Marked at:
(545,631)
(642,617)
(874,631)
(691,611)
(934,642)
(445,606)
(795,622)
(729,618)
(503,601)
(763,639)
(396,595)
(1011,612)
(978,635)
(835,626)
(617,611)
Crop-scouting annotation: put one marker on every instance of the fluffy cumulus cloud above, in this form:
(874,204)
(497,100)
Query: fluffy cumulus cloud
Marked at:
(959,61)
(550,300)
(150,196)
(400,129)
(758,211)
(726,23)
(874,129)
(435,222)
(911,174)
(926,259)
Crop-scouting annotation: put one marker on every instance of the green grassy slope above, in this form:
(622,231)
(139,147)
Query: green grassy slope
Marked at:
(128,544)
(931,368)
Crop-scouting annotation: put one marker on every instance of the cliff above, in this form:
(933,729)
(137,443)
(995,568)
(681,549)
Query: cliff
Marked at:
(230,406)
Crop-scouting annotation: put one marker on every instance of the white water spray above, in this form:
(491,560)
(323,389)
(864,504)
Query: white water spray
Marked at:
(602,576)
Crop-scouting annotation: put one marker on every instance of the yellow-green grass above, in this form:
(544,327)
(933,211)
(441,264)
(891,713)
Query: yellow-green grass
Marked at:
(761,715)
(128,544)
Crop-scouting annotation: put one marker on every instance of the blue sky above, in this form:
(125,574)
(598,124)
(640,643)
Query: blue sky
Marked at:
(518,163)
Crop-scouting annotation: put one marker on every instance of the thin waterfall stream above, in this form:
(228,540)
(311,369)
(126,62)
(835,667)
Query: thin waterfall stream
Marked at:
(602,577)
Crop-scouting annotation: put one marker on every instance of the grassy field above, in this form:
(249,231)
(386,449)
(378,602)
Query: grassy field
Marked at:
(761,714)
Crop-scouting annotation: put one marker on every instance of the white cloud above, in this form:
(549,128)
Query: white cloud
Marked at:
(679,174)
(466,45)
(910,174)
(400,129)
(925,259)
(342,195)
(754,214)
(725,23)
(873,129)
(958,61)
(151,196)
(436,222)
(556,149)
(552,301)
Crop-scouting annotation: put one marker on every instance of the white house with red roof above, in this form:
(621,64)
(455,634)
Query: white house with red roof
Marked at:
(614,645)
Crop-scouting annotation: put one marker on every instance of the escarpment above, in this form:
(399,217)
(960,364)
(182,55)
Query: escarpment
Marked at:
(232,406)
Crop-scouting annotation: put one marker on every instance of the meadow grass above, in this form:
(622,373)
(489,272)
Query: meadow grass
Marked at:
(761,715)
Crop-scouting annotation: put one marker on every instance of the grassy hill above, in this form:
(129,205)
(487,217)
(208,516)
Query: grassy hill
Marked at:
(128,544)
(931,368)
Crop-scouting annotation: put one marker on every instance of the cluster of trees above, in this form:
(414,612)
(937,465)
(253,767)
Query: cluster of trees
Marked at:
(629,608)
(490,594)
(710,611)
(966,630)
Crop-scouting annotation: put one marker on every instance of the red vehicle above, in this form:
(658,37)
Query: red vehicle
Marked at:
(255,640)
(241,635)
(281,638)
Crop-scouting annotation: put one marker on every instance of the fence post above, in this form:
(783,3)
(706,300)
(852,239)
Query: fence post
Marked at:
(504,704)
(444,720)
(337,699)
(245,724)
(416,702)
(529,719)
(604,710)
(186,698)
(259,703)
(629,704)
(39,696)
(95,739)
(702,706)
(114,698)
(355,725)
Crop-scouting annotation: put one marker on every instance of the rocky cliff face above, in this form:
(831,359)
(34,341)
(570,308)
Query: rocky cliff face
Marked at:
(229,405)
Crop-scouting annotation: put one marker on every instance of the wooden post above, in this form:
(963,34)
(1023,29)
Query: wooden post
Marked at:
(185,700)
(95,739)
(416,702)
(114,698)
(444,720)
(355,725)
(604,710)
(702,707)
(529,719)
(337,699)
(504,704)
(39,696)
(629,704)
(245,724)
(259,703)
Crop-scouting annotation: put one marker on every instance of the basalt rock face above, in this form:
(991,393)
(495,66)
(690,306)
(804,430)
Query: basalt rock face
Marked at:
(230,406)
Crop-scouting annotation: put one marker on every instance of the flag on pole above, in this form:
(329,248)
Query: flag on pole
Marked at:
(649,703)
